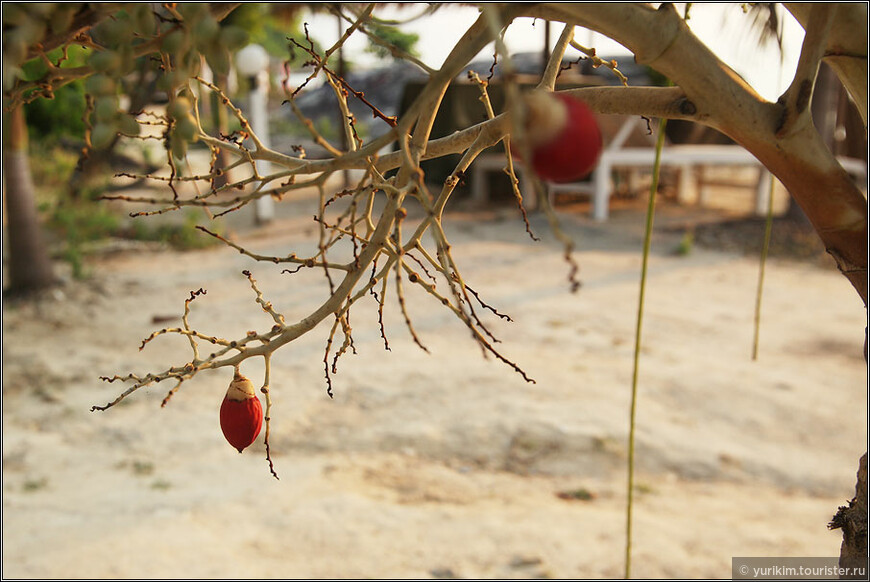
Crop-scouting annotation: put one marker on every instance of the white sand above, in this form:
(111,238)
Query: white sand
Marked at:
(445,464)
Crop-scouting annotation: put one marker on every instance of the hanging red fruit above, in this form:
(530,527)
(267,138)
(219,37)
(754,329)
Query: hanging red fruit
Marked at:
(562,135)
(241,413)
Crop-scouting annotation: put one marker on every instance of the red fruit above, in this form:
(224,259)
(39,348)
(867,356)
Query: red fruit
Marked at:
(241,413)
(563,136)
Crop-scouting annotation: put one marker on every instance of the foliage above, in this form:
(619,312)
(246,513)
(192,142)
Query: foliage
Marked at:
(56,164)
(62,115)
(391,35)
(79,222)
(270,25)
(182,236)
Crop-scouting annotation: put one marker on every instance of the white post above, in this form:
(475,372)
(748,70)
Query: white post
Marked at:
(601,195)
(762,192)
(264,207)
(253,62)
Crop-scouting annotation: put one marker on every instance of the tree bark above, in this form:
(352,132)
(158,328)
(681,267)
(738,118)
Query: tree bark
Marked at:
(30,267)
(852,519)
(221,125)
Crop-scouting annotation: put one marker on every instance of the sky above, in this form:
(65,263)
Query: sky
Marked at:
(721,26)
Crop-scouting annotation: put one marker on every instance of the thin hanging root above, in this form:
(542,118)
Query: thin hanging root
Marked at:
(768,225)
(268,413)
(660,141)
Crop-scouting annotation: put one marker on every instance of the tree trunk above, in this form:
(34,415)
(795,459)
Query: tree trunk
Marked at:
(221,125)
(852,519)
(30,267)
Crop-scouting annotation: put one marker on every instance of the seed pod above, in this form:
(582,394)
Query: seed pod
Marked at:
(106,108)
(173,42)
(177,147)
(114,31)
(104,61)
(179,108)
(218,58)
(185,129)
(61,17)
(233,37)
(128,124)
(14,15)
(100,85)
(563,136)
(241,413)
(205,29)
(143,18)
(102,135)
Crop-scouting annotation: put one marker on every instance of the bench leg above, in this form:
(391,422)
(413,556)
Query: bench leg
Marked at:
(527,189)
(601,196)
(685,187)
(762,192)
(479,189)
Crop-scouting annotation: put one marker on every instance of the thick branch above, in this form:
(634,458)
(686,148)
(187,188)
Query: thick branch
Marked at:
(88,16)
(846,46)
(670,102)
(796,100)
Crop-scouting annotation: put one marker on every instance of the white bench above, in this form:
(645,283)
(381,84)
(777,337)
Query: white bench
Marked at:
(685,157)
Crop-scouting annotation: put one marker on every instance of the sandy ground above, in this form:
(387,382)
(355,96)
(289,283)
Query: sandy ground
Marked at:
(444,464)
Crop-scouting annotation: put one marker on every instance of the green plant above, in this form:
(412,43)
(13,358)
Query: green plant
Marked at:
(55,165)
(33,485)
(579,494)
(63,115)
(77,223)
(391,37)
(184,236)
(686,244)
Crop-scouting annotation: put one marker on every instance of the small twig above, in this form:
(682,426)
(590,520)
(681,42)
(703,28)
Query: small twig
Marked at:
(390,120)
(598,61)
(266,305)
